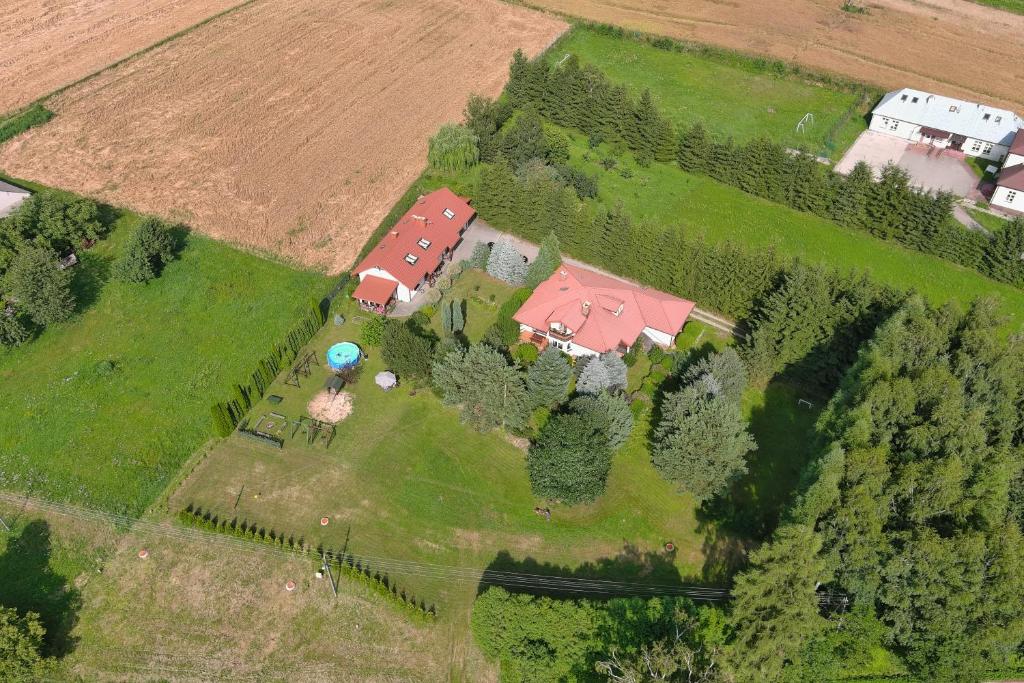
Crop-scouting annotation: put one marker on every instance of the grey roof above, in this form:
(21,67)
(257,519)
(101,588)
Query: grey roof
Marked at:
(12,189)
(950,114)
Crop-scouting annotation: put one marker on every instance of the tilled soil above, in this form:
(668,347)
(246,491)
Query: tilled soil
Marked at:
(288,127)
(953,47)
(46,44)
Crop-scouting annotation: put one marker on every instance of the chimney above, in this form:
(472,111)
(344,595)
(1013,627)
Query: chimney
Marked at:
(586,308)
(562,274)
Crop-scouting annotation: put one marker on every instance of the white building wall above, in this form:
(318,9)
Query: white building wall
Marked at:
(912,132)
(9,201)
(1006,198)
(659,337)
(402,293)
(1013,160)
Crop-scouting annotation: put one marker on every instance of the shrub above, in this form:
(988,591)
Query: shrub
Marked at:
(372,332)
(525,354)
(149,248)
(453,149)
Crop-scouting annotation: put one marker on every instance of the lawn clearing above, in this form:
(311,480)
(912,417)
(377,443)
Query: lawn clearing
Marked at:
(403,478)
(944,46)
(988,221)
(483,295)
(102,410)
(728,99)
(196,610)
(45,45)
(289,127)
(704,207)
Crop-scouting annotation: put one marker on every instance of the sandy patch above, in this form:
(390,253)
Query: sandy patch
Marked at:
(328,407)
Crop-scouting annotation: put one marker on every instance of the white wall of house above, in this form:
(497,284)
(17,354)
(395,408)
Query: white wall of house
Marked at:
(1008,199)
(659,337)
(9,201)
(912,132)
(402,293)
(1013,160)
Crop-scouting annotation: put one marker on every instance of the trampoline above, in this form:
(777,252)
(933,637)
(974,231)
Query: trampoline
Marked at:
(343,355)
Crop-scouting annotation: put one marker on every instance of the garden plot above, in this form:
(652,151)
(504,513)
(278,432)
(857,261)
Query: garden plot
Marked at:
(289,127)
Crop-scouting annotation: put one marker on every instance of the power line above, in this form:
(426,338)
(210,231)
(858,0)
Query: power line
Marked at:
(445,572)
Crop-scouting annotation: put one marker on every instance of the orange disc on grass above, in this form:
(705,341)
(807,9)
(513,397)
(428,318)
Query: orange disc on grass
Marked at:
(290,586)
(143,554)
(324,521)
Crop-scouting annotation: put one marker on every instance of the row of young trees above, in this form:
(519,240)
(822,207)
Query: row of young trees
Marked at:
(889,208)
(837,311)
(913,509)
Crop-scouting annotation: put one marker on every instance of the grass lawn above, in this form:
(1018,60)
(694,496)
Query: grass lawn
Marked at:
(717,212)
(731,101)
(404,479)
(987,220)
(483,296)
(1015,6)
(103,409)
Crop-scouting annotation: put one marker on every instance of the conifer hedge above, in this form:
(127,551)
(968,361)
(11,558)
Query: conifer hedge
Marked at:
(343,563)
(582,97)
(228,413)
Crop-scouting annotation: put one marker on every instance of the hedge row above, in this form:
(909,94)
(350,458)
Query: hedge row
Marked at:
(583,98)
(355,569)
(227,414)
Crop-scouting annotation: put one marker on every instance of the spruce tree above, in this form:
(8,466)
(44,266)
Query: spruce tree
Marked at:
(406,353)
(491,392)
(547,261)
(594,378)
(147,251)
(701,442)
(547,380)
(694,152)
(775,605)
(617,370)
(458,316)
(614,409)
(722,373)
(506,263)
(570,459)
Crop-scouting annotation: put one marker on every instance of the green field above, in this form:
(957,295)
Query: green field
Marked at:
(102,410)
(703,207)
(730,100)
(1015,6)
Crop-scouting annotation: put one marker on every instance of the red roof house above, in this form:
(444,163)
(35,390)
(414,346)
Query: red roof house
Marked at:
(586,313)
(412,253)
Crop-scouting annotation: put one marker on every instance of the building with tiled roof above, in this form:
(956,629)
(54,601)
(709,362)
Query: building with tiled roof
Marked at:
(1009,192)
(586,313)
(412,253)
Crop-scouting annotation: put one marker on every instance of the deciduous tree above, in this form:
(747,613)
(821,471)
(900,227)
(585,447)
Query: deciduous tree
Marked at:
(41,289)
(149,248)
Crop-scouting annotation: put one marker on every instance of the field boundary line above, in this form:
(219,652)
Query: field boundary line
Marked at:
(138,53)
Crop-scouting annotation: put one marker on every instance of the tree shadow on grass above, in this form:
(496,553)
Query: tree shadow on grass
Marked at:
(631,566)
(88,279)
(29,585)
(750,512)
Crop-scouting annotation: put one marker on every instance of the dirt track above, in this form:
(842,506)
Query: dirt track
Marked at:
(950,46)
(45,44)
(289,126)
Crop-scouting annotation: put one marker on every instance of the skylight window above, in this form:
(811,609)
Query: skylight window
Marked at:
(411,259)
(986,117)
(903,98)
(424,243)
(913,101)
(999,119)
(449,214)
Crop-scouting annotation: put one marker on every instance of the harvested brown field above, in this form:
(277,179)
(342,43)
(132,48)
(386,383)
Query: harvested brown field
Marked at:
(949,46)
(290,127)
(46,44)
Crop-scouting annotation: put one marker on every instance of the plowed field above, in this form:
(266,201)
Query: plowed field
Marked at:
(45,44)
(949,46)
(288,126)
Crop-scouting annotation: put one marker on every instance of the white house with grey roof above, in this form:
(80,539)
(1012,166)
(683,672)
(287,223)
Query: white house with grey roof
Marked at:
(977,130)
(11,197)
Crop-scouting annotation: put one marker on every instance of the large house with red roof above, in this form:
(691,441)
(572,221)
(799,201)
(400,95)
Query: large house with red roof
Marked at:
(1009,192)
(585,313)
(411,255)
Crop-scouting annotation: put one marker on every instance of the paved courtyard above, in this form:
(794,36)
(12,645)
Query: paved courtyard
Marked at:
(929,168)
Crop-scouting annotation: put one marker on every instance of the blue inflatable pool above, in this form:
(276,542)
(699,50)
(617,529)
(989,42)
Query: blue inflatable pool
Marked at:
(343,355)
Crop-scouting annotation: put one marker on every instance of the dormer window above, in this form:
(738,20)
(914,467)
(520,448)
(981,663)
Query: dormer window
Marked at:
(411,259)
(449,214)
(424,243)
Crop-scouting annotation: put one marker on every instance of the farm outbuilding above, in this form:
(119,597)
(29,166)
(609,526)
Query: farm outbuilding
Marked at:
(11,197)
